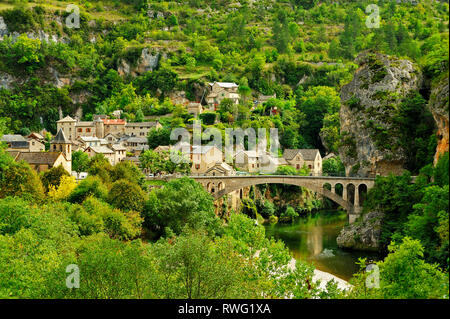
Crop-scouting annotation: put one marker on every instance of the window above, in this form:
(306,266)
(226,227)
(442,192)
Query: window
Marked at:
(88,130)
(80,130)
(197,166)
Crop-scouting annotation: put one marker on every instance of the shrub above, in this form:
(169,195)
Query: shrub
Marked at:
(127,196)
(91,186)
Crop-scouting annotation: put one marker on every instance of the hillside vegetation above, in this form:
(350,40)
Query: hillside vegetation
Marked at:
(301,50)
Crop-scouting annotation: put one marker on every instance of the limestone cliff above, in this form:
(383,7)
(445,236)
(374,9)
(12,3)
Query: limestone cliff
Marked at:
(147,61)
(368,146)
(438,105)
(364,234)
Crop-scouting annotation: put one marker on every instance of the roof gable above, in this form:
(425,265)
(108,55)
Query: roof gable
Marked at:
(60,138)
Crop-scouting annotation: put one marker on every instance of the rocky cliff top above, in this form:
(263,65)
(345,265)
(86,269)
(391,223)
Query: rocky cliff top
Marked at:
(368,106)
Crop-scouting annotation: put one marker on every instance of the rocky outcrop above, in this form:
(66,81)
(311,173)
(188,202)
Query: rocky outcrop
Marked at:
(438,105)
(148,61)
(6,81)
(3,27)
(366,116)
(364,234)
(59,80)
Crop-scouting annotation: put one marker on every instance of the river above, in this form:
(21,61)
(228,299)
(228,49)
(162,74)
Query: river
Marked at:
(313,239)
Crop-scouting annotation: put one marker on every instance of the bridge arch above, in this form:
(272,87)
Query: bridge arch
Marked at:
(318,188)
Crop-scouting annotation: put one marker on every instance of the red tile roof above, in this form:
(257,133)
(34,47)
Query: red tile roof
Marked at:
(114,122)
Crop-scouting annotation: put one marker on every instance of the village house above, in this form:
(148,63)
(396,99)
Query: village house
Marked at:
(87,141)
(60,154)
(111,138)
(16,142)
(162,148)
(220,169)
(194,108)
(248,161)
(180,146)
(120,152)
(310,158)
(220,91)
(134,143)
(109,154)
(141,129)
(36,142)
(103,127)
(112,126)
(204,157)
(269,164)
(41,161)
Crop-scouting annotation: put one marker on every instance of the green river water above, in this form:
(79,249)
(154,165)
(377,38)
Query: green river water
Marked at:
(313,239)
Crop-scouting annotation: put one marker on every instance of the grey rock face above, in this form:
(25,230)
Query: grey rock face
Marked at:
(148,61)
(367,110)
(3,27)
(6,81)
(363,234)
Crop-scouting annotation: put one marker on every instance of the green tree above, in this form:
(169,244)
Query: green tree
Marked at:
(289,214)
(181,202)
(80,161)
(127,196)
(52,177)
(90,186)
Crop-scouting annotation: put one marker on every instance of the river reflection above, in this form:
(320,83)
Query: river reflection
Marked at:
(313,239)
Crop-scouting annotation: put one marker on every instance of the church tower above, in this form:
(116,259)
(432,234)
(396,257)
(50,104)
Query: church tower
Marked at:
(99,128)
(61,144)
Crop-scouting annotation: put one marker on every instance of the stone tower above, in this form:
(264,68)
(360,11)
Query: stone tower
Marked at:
(99,128)
(61,144)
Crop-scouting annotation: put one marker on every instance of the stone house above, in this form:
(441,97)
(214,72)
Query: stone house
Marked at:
(111,138)
(141,129)
(16,142)
(42,161)
(204,157)
(36,145)
(60,154)
(269,164)
(109,154)
(37,142)
(248,161)
(220,91)
(311,158)
(87,141)
(113,126)
(120,152)
(133,142)
(162,148)
(220,169)
(194,108)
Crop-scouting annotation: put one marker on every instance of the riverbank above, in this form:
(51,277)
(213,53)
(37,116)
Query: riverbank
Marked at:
(324,277)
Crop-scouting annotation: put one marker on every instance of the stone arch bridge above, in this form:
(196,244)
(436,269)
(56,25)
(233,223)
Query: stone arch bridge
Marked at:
(348,195)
